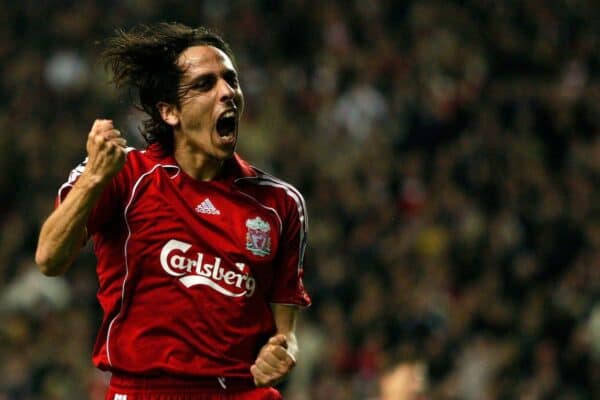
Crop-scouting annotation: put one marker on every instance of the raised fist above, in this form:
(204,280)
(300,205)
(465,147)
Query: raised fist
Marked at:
(106,151)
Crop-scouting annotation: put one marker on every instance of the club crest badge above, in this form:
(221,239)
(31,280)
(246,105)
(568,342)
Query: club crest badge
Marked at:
(258,240)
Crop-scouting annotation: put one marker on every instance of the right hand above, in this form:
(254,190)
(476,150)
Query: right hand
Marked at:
(106,151)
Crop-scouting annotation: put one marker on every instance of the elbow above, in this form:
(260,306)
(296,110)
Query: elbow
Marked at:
(49,269)
(47,265)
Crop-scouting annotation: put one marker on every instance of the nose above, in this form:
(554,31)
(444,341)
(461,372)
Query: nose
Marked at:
(227,92)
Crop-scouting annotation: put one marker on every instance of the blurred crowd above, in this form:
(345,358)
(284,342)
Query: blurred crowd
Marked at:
(449,153)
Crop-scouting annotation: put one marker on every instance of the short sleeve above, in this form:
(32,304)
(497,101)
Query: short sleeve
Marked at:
(288,287)
(107,207)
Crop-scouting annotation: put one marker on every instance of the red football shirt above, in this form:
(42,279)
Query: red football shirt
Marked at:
(187,269)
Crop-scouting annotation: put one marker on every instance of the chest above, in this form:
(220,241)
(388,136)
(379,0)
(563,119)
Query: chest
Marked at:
(212,223)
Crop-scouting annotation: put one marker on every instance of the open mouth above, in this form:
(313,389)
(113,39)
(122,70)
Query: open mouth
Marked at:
(226,123)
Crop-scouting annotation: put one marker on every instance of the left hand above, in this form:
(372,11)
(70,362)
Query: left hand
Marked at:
(273,363)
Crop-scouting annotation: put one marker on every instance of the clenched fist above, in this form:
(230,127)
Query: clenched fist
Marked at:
(273,363)
(106,151)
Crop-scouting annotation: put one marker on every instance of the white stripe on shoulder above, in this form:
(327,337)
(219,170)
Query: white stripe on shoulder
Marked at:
(73,175)
(291,191)
(76,172)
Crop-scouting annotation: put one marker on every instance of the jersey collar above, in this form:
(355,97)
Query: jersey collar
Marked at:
(244,169)
(236,167)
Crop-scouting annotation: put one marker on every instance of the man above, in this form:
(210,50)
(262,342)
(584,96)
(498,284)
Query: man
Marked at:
(200,255)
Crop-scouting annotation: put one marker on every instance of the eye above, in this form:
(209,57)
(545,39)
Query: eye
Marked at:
(204,83)
(232,79)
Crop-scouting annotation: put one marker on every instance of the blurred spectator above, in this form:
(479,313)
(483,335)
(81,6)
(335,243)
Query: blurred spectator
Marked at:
(407,381)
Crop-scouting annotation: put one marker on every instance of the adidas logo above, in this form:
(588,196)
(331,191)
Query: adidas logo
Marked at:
(207,207)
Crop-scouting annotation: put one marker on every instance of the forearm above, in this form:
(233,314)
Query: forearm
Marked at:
(292,345)
(63,233)
(285,322)
(278,356)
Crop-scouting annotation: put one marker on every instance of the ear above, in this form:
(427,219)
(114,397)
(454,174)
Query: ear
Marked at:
(168,112)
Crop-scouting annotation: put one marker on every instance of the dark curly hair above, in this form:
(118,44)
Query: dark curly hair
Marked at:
(144,59)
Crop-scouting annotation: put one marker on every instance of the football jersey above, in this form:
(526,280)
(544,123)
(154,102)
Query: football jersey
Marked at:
(187,269)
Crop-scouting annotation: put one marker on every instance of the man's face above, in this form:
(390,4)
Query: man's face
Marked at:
(211,103)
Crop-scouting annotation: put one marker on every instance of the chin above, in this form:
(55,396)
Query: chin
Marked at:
(225,154)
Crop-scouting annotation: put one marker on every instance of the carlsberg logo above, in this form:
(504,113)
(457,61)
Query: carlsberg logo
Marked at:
(198,271)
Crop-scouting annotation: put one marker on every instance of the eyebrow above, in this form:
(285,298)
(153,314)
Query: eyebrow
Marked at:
(227,72)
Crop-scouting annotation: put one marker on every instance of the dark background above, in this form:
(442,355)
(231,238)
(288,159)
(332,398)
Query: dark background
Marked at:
(448,152)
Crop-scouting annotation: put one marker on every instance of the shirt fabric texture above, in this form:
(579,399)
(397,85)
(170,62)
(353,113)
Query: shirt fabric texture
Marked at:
(187,269)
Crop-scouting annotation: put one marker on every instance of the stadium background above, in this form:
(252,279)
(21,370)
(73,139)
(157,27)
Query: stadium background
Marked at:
(448,152)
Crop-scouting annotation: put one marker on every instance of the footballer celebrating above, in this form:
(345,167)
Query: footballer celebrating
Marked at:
(199,254)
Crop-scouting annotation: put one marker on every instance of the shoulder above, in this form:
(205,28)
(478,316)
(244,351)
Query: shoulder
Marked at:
(271,188)
(140,162)
(248,174)
(139,158)
(269,181)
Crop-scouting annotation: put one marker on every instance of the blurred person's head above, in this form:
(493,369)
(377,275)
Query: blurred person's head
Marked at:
(406,381)
(187,83)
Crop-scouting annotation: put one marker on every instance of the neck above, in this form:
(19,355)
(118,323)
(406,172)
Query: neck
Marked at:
(199,166)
